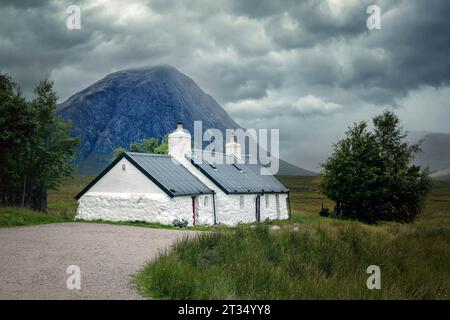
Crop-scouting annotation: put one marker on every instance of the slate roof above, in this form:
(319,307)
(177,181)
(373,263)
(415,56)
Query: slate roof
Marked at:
(234,177)
(167,173)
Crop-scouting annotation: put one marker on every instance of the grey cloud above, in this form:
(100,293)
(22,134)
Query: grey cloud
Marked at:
(34,41)
(414,47)
(25,4)
(267,53)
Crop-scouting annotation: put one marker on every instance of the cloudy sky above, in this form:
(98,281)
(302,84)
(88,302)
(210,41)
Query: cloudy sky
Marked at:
(309,68)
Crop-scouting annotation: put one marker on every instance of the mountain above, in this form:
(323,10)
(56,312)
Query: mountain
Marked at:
(435,151)
(288,169)
(135,104)
(443,174)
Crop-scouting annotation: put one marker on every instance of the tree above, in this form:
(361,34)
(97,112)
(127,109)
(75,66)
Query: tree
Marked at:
(150,145)
(163,147)
(52,148)
(35,145)
(118,152)
(370,177)
(16,126)
(145,145)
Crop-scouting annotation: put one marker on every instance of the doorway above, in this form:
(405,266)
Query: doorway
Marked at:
(194,210)
(258,208)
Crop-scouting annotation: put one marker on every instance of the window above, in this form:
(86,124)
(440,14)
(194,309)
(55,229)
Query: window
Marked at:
(267,200)
(277,199)
(241,202)
(205,204)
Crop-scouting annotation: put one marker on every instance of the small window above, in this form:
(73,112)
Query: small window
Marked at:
(241,202)
(277,199)
(206,201)
(267,200)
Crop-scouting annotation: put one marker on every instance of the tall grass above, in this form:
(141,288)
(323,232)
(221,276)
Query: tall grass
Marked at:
(15,217)
(62,201)
(316,262)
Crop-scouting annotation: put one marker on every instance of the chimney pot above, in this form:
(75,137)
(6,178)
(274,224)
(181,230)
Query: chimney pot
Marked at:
(179,142)
(233,147)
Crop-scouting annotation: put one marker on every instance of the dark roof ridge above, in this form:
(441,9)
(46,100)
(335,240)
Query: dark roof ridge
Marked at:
(148,154)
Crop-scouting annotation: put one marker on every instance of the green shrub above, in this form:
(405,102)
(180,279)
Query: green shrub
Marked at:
(370,177)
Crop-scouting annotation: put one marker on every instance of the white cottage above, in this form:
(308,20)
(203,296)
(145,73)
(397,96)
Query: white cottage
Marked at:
(162,188)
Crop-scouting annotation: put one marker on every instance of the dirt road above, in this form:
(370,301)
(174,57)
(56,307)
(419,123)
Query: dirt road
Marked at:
(34,260)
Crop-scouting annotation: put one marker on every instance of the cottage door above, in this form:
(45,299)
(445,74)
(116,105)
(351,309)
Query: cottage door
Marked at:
(194,210)
(258,208)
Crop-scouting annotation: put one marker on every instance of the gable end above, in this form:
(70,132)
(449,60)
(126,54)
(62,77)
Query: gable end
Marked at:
(112,164)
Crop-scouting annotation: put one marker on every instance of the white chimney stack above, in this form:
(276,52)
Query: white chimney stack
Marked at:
(179,143)
(232,147)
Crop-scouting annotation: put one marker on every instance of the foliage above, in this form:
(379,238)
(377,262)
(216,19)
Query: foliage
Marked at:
(16,125)
(35,143)
(150,145)
(370,177)
(118,152)
(324,212)
(316,262)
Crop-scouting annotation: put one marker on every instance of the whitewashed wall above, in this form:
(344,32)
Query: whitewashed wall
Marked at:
(142,207)
(133,207)
(204,210)
(228,209)
(231,212)
(269,211)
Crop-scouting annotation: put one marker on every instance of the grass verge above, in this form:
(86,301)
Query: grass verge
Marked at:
(316,262)
(15,217)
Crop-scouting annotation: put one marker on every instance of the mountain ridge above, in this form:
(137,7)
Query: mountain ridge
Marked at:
(435,151)
(138,103)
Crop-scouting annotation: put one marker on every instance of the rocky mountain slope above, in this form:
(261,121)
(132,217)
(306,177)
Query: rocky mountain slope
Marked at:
(135,104)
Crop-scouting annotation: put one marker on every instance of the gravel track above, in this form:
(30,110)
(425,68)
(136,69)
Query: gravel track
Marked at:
(34,260)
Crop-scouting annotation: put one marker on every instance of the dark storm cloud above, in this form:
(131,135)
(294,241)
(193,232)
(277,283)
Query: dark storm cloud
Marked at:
(411,51)
(417,42)
(34,41)
(332,43)
(294,64)
(25,4)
